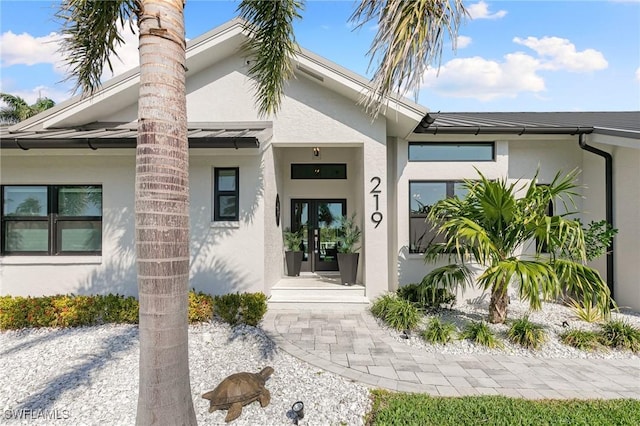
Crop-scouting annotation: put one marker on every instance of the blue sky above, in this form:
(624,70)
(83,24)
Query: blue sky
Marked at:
(511,56)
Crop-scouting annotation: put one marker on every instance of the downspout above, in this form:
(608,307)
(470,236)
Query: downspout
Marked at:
(608,173)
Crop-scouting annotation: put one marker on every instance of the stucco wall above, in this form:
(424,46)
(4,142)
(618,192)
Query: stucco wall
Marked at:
(516,158)
(114,271)
(627,219)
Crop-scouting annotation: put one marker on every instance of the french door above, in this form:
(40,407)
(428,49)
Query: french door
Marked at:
(319,220)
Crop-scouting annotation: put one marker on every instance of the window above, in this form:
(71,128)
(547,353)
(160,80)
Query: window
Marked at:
(422,196)
(52,219)
(318,171)
(428,151)
(226,194)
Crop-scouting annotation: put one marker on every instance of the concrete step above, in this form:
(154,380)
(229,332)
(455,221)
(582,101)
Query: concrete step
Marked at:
(316,291)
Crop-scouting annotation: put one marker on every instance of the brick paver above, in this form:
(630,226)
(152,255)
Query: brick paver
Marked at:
(354,346)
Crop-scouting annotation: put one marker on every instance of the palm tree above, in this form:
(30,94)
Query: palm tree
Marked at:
(410,35)
(17,109)
(491,226)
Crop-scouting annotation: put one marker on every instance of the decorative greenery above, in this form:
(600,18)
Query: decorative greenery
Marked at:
(480,333)
(292,240)
(349,235)
(581,339)
(597,238)
(620,334)
(397,313)
(526,333)
(380,306)
(66,311)
(241,308)
(491,224)
(402,315)
(438,331)
(396,408)
(426,296)
(200,307)
(585,310)
(17,109)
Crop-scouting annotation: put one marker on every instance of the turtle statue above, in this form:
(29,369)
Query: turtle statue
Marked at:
(237,390)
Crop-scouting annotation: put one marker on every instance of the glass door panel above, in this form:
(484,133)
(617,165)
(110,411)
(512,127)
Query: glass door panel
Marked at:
(319,221)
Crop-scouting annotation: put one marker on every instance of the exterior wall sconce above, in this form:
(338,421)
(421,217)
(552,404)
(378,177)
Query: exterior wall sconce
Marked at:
(316,152)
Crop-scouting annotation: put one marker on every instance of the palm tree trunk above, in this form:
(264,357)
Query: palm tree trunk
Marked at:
(162,218)
(498,305)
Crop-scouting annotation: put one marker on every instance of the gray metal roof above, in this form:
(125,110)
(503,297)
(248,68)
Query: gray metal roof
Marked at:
(617,123)
(124,135)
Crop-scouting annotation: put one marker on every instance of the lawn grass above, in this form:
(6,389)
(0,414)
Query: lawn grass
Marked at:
(418,409)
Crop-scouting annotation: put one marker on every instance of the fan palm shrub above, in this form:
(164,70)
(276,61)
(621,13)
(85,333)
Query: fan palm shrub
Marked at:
(491,226)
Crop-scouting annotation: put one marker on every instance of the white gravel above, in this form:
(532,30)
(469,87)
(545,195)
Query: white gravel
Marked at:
(551,318)
(89,376)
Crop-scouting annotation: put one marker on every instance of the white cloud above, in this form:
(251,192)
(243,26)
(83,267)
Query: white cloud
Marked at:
(485,79)
(463,41)
(560,54)
(25,49)
(480,10)
(638,74)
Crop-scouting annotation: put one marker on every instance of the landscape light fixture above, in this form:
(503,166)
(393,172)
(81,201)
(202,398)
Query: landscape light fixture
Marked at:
(316,152)
(298,410)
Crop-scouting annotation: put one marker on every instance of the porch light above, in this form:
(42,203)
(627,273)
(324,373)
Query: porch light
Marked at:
(316,152)
(298,410)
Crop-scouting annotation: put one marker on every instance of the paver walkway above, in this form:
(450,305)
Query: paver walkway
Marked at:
(354,346)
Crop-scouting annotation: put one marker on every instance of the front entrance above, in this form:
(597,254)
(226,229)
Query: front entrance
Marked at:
(320,222)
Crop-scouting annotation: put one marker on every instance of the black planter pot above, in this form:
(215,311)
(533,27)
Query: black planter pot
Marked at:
(348,265)
(294,262)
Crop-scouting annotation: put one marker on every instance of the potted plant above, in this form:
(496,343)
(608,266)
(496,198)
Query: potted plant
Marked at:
(348,240)
(293,254)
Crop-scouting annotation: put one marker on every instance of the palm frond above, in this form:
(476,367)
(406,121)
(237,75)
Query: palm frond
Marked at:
(536,280)
(90,37)
(584,282)
(272,44)
(449,277)
(410,37)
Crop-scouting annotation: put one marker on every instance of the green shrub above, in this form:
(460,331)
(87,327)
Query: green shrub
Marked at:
(13,313)
(620,335)
(480,333)
(438,331)
(402,315)
(526,333)
(236,308)
(200,307)
(426,295)
(581,339)
(381,305)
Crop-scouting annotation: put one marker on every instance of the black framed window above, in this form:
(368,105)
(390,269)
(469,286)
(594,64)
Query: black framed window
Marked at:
(318,171)
(51,220)
(452,151)
(226,194)
(422,196)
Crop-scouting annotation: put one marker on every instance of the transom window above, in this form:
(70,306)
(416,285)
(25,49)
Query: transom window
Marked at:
(226,192)
(423,195)
(51,219)
(453,151)
(318,171)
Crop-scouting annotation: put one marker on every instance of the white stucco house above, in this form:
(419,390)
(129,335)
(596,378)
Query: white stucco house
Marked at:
(67,179)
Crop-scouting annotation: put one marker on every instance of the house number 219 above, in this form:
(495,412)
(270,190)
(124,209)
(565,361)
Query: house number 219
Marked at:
(376,216)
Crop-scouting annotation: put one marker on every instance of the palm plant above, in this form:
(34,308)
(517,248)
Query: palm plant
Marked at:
(17,109)
(409,38)
(491,227)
